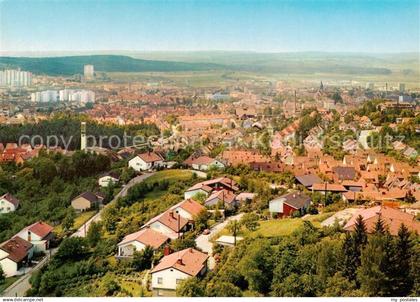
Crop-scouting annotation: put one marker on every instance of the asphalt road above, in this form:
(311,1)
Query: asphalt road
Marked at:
(22,285)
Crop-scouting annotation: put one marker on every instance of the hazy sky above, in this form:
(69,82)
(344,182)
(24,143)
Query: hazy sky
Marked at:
(255,25)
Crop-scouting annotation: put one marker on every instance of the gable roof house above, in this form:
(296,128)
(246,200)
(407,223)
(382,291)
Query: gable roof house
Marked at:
(392,218)
(326,187)
(86,201)
(308,180)
(228,198)
(8,203)
(285,205)
(188,209)
(169,223)
(139,240)
(343,173)
(146,161)
(176,267)
(107,178)
(39,234)
(204,163)
(15,255)
(208,186)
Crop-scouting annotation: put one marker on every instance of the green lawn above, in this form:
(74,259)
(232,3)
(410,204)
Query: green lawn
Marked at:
(170,175)
(9,281)
(78,221)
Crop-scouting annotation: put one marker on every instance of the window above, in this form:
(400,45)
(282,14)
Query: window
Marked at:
(160,280)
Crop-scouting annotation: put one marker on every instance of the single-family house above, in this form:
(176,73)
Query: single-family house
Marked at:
(146,161)
(188,209)
(139,240)
(208,186)
(86,201)
(285,205)
(39,234)
(169,223)
(8,203)
(107,178)
(326,187)
(15,255)
(392,218)
(308,180)
(227,198)
(204,163)
(174,268)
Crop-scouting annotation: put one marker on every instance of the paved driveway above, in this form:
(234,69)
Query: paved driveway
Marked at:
(203,241)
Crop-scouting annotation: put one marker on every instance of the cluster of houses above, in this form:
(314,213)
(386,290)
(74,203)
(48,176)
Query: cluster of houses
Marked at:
(16,253)
(11,152)
(170,225)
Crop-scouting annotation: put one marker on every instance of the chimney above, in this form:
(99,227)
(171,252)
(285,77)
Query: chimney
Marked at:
(171,213)
(179,261)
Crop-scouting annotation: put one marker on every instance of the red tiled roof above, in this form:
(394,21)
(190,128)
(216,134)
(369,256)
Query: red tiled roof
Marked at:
(191,206)
(41,229)
(146,236)
(393,218)
(189,261)
(17,248)
(150,157)
(330,187)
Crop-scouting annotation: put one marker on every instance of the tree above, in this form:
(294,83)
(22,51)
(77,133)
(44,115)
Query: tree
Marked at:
(201,220)
(190,287)
(143,259)
(403,281)
(379,226)
(94,233)
(2,275)
(109,285)
(222,289)
(110,218)
(68,221)
(250,221)
(72,248)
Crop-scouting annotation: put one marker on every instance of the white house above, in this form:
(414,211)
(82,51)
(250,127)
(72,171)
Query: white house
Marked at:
(15,254)
(204,163)
(139,240)
(188,209)
(38,234)
(169,223)
(176,267)
(106,179)
(8,203)
(146,161)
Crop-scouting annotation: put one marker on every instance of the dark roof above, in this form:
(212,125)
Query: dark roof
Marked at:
(111,173)
(345,173)
(296,200)
(10,198)
(89,196)
(308,180)
(17,248)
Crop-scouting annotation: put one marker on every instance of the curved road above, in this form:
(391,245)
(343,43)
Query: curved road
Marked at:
(22,285)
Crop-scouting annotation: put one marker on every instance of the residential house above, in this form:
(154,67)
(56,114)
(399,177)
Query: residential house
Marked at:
(225,197)
(207,187)
(169,223)
(139,240)
(146,161)
(343,173)
(204,163)
(39,234)
(285,205)
(326,187)
(174,268)
(8,203)
(107,178)
(15,254)
(308,180)
(86,201)
(188,209)
(392,218)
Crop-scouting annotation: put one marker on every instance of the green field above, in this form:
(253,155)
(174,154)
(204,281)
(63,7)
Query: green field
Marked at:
(170,175)
(7,283)
(78,221)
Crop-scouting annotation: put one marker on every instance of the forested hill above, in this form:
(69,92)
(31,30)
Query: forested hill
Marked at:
(111,63)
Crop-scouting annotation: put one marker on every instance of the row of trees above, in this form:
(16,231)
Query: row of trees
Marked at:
(313,262)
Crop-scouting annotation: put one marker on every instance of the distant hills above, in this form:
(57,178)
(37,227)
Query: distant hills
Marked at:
(71,65)
(305,63)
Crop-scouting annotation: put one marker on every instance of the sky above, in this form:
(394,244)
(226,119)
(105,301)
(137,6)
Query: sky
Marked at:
(384,26)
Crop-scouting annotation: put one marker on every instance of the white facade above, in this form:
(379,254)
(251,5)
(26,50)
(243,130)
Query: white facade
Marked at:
(106,180)
(205,167)
(161,228)
(140,165)
(15,78)
(11,268)
(6,206)
(89,71)
(39,244)
(81,96)
(128,249)
(44,96)
(167,279)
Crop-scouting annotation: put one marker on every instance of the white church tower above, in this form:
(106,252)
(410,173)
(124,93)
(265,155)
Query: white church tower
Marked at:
(83,136)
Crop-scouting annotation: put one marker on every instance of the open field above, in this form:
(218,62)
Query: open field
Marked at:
(170,175)
(78,221)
